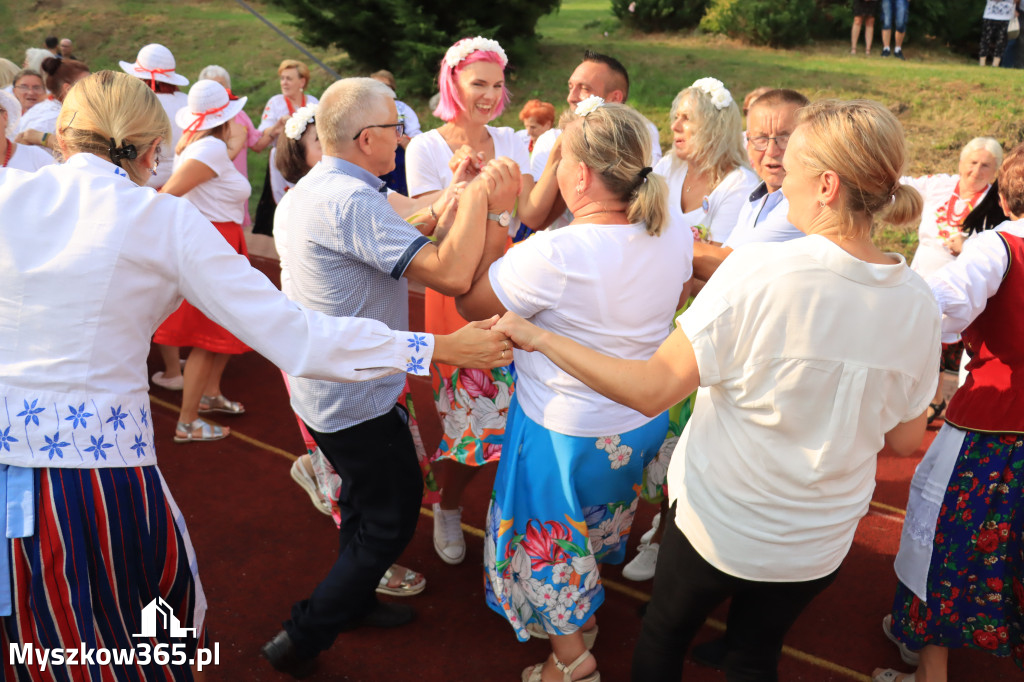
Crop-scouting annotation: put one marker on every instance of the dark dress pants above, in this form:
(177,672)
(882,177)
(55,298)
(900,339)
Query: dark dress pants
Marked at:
(687,589)
(381,491)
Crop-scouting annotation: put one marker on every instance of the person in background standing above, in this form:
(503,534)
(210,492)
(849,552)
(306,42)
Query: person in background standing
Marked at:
(863,13)
(994,23)
(66,49)
(899,8)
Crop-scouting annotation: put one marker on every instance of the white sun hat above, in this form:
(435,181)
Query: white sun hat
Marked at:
(208,107)
(13,107)
(154,63)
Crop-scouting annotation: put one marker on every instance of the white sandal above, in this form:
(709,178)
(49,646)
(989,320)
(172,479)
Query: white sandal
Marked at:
(534,673)
(890,675)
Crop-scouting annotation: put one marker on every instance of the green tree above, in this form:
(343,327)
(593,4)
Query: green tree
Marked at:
(410,38)
(659,15)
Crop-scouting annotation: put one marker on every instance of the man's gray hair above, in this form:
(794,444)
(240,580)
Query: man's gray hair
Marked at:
(349,105)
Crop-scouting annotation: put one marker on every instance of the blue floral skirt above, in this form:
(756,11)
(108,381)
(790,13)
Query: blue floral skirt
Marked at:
(975,590)
(561,505)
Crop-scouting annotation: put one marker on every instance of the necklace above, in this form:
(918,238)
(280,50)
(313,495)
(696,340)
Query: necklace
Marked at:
(600,212)
(9,154)
(956,209)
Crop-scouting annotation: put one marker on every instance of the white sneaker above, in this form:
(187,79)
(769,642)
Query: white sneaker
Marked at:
(646,538)
(448,539)
(642,565)
(308,483)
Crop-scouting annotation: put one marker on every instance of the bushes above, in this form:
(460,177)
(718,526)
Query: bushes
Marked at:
(659,15)
(762,22)
(410,38)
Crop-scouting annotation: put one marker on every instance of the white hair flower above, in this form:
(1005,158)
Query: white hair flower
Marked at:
(296,125)
(716,90)
(462,49)
(588,105)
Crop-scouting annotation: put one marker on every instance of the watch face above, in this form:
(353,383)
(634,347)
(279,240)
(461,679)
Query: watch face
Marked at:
(504,218)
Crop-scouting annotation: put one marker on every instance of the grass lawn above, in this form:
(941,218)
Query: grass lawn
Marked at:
(943,100)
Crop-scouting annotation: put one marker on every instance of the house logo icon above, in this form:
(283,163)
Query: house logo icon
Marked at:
(159,611)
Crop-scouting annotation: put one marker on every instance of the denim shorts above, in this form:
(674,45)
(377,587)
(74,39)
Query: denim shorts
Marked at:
(901,7)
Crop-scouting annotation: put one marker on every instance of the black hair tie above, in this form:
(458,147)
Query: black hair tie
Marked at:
(125,151)
(644,172)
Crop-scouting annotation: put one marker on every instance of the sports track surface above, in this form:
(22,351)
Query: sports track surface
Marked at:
(261,546)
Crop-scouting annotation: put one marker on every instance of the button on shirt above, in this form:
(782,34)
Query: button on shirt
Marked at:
(347,253)
(763,218)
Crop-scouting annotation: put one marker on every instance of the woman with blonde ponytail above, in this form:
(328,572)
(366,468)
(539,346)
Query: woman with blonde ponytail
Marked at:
(565,489)
(797,391)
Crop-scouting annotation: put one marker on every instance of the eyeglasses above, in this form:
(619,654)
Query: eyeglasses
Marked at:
(30,88)
(399,128)
(761,143)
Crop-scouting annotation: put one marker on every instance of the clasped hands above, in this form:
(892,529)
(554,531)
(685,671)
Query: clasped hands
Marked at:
(488,343)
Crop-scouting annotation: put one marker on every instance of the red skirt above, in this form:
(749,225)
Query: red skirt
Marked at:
(188,327)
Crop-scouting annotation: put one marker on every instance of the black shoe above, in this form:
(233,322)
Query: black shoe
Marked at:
(389,615)
(281,653)
(885,52)
(710,654)
(899,54)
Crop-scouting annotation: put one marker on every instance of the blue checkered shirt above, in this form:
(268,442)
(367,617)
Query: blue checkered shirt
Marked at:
(347,252)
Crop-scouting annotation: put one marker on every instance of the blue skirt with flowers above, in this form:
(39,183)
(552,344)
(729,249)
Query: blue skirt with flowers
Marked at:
(561,505)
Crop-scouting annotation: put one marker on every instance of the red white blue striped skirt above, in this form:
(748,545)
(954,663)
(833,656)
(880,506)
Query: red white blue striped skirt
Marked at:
(107,543)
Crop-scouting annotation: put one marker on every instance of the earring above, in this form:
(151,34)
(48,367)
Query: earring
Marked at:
(152,171)
(579,189)
(821,204)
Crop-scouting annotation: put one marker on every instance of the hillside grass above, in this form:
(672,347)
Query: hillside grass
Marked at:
(943,100)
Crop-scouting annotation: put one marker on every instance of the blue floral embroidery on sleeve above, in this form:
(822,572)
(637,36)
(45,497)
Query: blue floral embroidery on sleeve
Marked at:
(6,439)
(416,342)
(117,417)
(414,365)
(139,447)
(30,412)
(145,416)
(53,446)
(97,447)
(77,417)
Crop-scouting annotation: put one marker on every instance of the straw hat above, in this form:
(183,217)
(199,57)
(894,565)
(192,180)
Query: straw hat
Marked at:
(208,107)
(154,63)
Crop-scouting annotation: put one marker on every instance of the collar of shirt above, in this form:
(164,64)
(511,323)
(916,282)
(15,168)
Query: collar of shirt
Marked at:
(97,164)
(349,168)
(773,199)
(832,256)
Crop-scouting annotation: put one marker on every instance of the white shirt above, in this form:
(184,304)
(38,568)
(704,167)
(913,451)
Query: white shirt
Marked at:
(613,288)
(998,10)
(807,357)
(427,156)
(41,117)
(936,191)
(277,106)
(539,159)
(30,158)
(724,203)
(409,118)
(222,198)
(763,218)
(171,102)
(90,265)
(963,287)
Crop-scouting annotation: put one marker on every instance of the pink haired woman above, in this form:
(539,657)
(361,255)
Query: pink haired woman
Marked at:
(472,404)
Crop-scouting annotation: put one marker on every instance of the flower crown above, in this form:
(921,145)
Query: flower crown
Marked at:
(716,90)
(467,46)
(588,105)
(296,125)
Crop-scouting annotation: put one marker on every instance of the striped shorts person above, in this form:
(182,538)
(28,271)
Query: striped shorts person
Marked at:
(108,542)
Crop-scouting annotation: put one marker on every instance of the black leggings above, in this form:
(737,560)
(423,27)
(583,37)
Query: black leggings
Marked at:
(993,38)
(687,589)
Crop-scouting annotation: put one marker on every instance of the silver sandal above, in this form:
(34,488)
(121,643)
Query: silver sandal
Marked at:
(207,432)
(218,403)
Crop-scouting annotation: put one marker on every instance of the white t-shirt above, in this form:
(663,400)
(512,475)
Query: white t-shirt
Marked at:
(724,203)
(936,190)
(220,199)
(171,102)
(613,288)
(998,10)
(41,117)
(277,106)
(409,118)
(539,159)
(30,158)
(427,156)
(807,357)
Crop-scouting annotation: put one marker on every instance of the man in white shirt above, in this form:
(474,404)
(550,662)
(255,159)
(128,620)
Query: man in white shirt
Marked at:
(600,75)
(770,122)
(347,254)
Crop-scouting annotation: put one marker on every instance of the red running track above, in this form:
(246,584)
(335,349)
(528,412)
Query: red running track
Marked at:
(261,546)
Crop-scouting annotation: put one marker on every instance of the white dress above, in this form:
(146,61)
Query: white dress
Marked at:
(277,106)
(721,208)
(931,252)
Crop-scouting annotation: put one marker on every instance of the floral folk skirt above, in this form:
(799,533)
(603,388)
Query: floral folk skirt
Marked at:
(561,505)
(975,585)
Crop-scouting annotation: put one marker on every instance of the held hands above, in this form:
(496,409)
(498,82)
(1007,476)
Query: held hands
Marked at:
(476,345)
(465,164)
(503,181)
(524,335)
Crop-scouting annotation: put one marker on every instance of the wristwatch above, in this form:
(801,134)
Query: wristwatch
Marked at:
(504,218)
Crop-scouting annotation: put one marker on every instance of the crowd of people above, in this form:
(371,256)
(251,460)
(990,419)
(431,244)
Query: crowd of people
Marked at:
(698,329)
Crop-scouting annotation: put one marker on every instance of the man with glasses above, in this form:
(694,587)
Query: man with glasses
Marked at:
(348,252)
(770,121)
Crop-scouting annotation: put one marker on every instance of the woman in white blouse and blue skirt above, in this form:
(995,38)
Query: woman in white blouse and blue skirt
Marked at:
(797,396)
(90,263)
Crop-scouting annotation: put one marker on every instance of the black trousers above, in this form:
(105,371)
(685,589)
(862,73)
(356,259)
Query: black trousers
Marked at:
(381,491)
(687,589)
